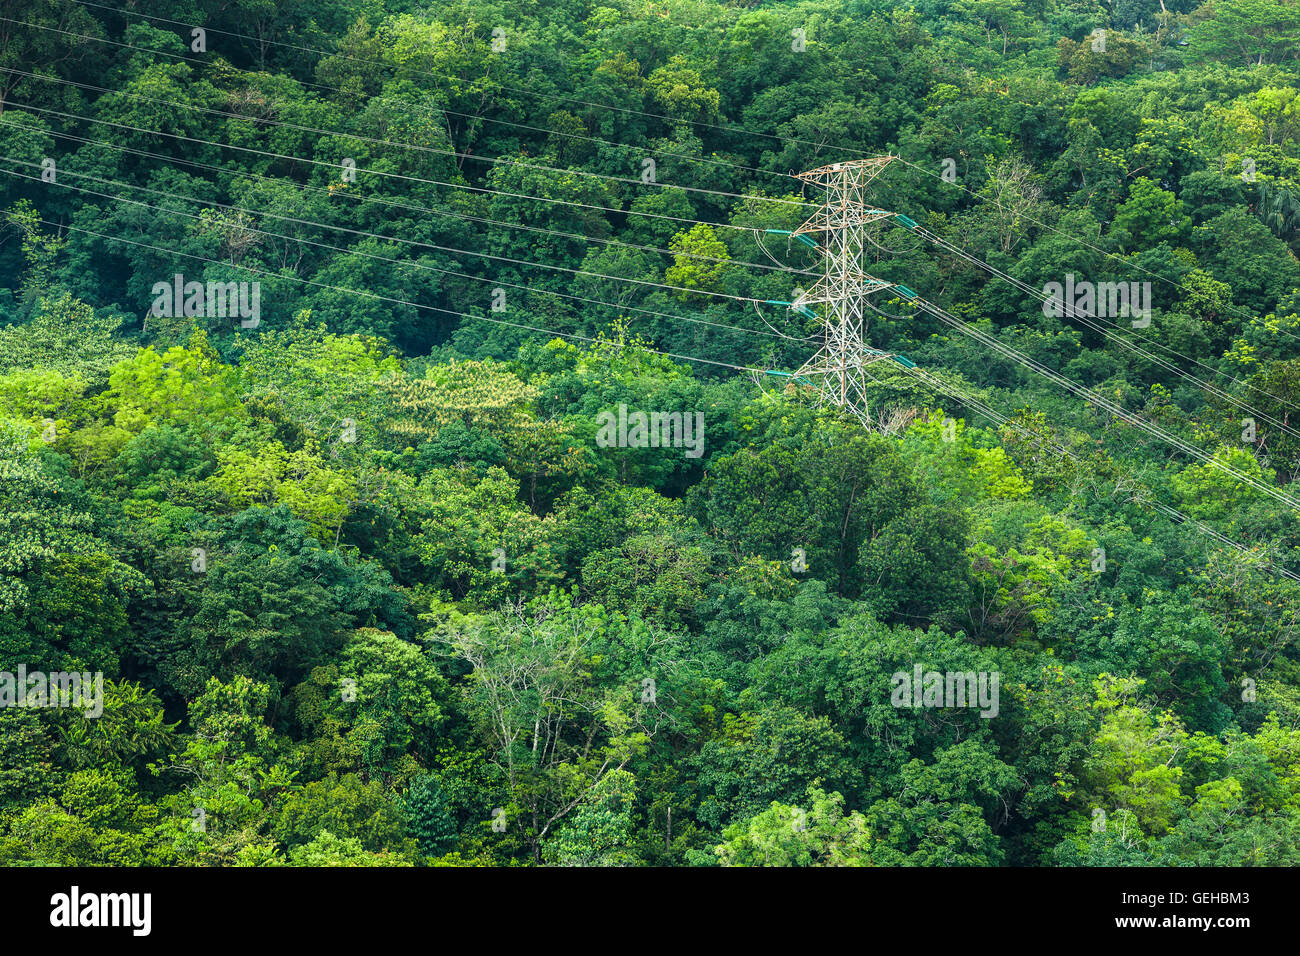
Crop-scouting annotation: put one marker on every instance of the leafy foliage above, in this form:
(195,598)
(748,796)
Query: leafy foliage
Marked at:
(361,582)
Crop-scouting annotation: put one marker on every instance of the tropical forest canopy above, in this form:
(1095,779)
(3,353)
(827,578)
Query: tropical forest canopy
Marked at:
(366,586)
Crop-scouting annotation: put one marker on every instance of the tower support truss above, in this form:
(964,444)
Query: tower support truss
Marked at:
(840,226)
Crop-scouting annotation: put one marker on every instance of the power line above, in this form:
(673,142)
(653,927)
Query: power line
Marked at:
(466,315)
(464,217)
(932,380)
(512,89)
(1102,402)
(353,252)
(735,195)
(470,156)
(386,142)
(471,116)
(465,187)
(361,232)
(1168,510)
(1088,245)
(859,152)
(374,295)
(1086,319)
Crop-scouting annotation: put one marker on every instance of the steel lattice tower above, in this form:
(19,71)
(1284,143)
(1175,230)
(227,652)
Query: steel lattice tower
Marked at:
(843,219)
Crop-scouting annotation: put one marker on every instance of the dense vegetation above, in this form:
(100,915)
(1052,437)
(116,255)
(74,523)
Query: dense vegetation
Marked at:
(366,590)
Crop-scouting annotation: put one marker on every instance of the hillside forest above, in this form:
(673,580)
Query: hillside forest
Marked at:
(385,559)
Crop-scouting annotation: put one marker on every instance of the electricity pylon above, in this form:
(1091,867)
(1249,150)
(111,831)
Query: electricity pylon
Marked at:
(837,369)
